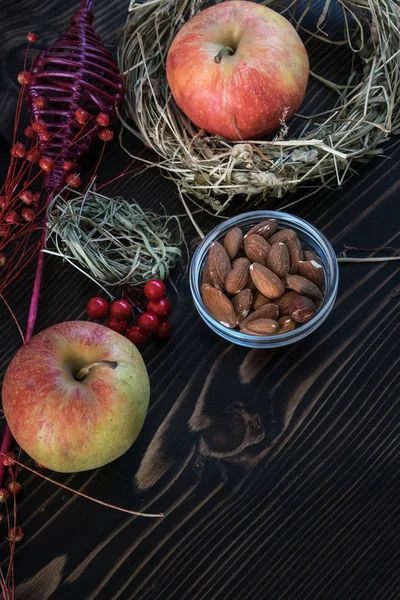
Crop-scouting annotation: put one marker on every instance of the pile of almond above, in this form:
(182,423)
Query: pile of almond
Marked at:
(263,282)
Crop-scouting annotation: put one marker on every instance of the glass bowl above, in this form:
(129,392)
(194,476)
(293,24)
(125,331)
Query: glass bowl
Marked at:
(311,239)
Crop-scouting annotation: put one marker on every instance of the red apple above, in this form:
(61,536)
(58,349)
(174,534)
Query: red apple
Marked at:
(76,396)
(236,68)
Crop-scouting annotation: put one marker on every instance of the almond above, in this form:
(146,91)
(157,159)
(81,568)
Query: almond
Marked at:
(206,274)
(286,324)
(312,270)
(251,285)
(242,304)
(266,281)
(279,260)
(282,236)
(287,303)
(303,286)
(219,306)
(239,261)
(298,307)
(311,255)
(303,309)
(237,278)
(233,241)
(219,265)
(265,228)
(295,252)
(257,249)
(259,300)
(268,311)
(261,327)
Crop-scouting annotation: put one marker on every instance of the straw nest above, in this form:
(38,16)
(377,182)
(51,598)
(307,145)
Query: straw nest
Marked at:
(211,170)
(112,241)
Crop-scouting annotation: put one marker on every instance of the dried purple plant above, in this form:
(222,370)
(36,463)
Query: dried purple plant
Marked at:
(72,91)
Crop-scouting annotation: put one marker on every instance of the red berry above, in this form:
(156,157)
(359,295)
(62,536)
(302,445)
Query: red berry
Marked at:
(15,534)
(155,289)
(3,259)
(73,180)
(164,331)
(4,230)
(116,325)
(39,126)
(136,336)
(106,135)
(67,165)
(33,155)
(121,310)
(39,101)
(23,77)
(18,150)
(8,459)
(148,323)
(3,202)
(11,217)
(28,131)
(103,119)
(4,494)
(82,116)
(45,136)
(14,487)
(97,308)
(28,214)
(161,307)
(32,37)
(26,196)
(46,164)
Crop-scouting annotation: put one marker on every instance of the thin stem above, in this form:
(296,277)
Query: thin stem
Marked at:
(225,50)
(84,372)
(14,318)
(370,259)
(69,489)
(190,215)
(34,305)
(5,447)
(33,310)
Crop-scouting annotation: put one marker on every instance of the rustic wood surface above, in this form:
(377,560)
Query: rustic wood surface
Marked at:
(278,472)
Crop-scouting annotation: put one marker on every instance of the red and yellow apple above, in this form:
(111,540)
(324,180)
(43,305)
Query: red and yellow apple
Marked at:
(75,397)
(236,68)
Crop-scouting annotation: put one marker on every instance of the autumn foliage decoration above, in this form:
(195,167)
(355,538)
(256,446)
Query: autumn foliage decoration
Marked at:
(78,86)
(72,91)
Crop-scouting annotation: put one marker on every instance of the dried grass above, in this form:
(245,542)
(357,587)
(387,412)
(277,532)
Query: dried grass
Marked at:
(113,241)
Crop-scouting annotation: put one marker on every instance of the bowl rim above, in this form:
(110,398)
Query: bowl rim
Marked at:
(279,339)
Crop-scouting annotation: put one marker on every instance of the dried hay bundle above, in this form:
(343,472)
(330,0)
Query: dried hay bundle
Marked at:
(212,170)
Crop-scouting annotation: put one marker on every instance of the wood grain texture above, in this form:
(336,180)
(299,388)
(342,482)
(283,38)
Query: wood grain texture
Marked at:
(278,471)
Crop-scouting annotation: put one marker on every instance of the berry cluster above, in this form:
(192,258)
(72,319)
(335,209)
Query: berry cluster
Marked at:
(20,205)
(151,322)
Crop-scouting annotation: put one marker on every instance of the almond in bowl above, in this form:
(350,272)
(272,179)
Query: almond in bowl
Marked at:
(262,282)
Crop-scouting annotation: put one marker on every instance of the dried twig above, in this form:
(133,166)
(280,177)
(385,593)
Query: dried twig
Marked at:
(86,496)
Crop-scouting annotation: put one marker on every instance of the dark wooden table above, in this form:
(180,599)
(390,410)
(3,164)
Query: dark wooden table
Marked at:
(278,472)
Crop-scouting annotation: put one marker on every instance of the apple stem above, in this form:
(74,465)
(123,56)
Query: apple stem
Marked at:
(224,50)
(84,372)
